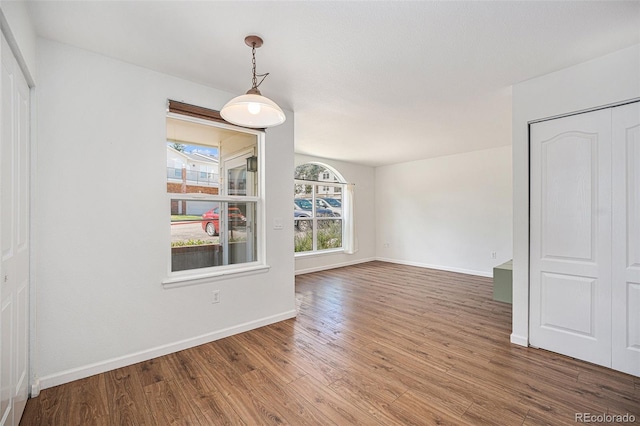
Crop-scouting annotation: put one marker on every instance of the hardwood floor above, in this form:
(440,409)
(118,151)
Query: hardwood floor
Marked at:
(375,343)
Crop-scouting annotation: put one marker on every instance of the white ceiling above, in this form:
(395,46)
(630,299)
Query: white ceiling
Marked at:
(370,82)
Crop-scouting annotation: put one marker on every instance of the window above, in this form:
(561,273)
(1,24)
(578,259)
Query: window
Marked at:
(215,202)
(319,220)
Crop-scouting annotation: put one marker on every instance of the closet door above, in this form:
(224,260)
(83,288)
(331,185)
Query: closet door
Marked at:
(570,233)
(14,238)
(626,241)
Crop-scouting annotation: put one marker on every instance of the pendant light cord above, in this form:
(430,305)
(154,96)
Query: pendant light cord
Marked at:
(254,80)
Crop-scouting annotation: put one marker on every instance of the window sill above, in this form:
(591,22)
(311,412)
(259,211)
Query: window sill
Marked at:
(319,253)
(204,277)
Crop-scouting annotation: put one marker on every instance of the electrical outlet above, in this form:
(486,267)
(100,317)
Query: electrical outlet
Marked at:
(386,245)
(215,296)
(494,255)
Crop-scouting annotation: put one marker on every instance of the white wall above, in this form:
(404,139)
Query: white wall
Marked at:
(101,230)
(364,216)
(609,79)
(18,29)
(446,213)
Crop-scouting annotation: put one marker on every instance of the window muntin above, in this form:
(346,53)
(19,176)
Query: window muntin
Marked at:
(214,220)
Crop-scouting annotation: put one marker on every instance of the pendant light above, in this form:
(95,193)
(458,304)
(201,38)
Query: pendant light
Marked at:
(253,109)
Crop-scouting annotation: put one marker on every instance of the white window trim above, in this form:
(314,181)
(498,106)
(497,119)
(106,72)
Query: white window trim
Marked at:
(221,272)
(203,275)
(319,252)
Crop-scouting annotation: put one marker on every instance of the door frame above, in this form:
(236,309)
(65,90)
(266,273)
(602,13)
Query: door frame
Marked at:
(522,267)
(23,137)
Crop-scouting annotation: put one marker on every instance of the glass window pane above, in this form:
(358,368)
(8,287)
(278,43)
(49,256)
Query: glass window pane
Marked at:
(192,168)
(241,233)
(208,233)
(328,200)
(303,235)
(302,199)
(329,234)
(308,172)
(195,240)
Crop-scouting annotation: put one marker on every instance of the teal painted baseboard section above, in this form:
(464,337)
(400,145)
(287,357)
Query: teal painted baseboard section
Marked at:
(503,282)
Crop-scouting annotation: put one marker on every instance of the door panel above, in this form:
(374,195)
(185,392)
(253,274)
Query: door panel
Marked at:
(626,247)
(570,281)
(556,289)
(633,322)
(568,197)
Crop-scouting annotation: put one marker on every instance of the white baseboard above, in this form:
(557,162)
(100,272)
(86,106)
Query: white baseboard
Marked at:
(438,267)
(111,364)
(519,340)
(332,266)
(35,388)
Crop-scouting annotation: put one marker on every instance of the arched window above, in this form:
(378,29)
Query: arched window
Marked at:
(323,209)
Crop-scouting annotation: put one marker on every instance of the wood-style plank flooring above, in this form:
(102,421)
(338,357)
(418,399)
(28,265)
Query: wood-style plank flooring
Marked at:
(373,344)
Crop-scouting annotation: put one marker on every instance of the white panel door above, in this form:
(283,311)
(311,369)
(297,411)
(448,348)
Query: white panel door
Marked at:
(626,240)
(570,253)
(14,238)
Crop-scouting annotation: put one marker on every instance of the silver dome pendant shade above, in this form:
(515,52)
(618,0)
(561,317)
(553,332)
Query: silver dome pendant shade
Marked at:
(252,109)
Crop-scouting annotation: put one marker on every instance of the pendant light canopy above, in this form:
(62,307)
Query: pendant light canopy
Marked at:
(253,109)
